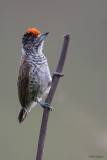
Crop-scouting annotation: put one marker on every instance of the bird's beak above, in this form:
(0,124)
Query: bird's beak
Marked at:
(41,38)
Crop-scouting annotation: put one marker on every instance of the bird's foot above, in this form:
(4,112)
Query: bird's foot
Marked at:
(45,105)
(57,74)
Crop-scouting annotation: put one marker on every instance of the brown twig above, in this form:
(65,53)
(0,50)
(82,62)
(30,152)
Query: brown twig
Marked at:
(50,97)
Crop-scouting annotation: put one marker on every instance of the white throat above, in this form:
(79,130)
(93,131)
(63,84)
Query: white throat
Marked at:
(40,48)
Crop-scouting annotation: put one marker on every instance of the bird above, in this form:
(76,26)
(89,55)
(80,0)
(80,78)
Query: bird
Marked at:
(34,79)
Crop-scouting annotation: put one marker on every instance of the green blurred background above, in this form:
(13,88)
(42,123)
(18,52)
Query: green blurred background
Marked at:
(77,127)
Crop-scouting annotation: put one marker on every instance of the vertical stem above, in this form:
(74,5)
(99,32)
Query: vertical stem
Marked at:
(49,98)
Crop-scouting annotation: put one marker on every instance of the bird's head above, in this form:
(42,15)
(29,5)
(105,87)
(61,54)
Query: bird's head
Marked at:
(32,41)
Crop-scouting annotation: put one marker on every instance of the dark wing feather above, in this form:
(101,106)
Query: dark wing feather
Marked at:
(23,82)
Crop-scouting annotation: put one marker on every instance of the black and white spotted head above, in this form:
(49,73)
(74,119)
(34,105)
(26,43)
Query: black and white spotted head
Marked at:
(32,41)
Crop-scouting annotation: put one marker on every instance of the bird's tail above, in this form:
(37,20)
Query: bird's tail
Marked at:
(22,115)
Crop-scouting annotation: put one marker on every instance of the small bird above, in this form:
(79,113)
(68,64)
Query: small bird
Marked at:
(34,78)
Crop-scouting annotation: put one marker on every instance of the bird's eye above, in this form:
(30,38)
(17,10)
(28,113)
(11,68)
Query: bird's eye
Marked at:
(38,35)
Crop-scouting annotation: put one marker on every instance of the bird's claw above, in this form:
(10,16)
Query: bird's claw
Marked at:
(45,105)
(57,74)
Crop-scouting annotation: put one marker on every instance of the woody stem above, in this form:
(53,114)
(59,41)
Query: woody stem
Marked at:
(49,98)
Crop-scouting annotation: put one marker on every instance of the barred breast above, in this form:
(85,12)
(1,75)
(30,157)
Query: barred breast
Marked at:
(39,77)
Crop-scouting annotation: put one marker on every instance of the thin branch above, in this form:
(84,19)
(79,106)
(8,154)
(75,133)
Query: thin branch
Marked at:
(50,97)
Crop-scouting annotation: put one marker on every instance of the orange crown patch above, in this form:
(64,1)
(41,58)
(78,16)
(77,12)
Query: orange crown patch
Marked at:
(34,31)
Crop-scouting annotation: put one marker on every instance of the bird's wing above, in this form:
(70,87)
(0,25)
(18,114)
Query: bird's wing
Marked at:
(23,82)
